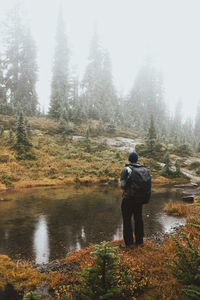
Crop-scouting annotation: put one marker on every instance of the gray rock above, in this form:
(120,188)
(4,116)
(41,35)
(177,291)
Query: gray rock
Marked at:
(188,185)
(189,199)
(194,192)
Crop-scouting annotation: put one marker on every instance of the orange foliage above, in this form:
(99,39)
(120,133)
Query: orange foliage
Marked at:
(21,276)
(177,208)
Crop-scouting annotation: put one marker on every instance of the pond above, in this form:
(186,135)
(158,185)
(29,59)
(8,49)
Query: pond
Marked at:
(45,224)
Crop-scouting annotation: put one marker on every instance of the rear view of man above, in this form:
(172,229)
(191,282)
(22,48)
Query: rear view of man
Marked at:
(136,184)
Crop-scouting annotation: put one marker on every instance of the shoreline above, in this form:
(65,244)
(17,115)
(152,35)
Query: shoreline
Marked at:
(84,182)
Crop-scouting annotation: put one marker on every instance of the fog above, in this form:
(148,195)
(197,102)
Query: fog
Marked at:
(131,30)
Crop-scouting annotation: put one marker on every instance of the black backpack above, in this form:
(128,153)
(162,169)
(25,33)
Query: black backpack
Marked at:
(138,184)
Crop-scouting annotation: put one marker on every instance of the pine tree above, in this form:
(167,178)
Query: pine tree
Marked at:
(167,162)
(20,63)
(22,144)
(109,105)
(3,98)
(146,98)
(100,282)
(151,137)
(197,124)
(92,81)
(28,77)
(77,113)
(177,123)
(63,126)
(60,80)
(178,167)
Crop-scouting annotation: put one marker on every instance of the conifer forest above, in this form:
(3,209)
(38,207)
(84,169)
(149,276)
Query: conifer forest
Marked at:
(83,84)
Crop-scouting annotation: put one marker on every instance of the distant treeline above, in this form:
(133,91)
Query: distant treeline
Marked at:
(95,96)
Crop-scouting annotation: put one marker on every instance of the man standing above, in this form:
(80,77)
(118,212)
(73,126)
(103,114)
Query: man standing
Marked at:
(136,184)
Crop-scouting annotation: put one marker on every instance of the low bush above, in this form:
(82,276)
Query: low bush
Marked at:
(183,150)
(194,165)
(186,266)
(176,208)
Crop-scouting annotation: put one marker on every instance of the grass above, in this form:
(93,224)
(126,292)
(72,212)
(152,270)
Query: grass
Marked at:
(21,275)
(61,161)
(177,208)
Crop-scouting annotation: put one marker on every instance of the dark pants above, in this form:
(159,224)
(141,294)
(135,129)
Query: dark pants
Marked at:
(130,208)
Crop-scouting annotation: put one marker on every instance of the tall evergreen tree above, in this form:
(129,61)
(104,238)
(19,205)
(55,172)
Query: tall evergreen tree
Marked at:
(108,108)
(176,132)
(151,137)
(3,98)
(28,76)
(20,62)
(92,81)
(75,101)
(99,92)
(146,98)
(60,79)
(197,124)
(22,144)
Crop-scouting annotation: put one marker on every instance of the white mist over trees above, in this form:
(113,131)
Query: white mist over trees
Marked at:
(98,89)
(19,64)
(60,79)
(94,97)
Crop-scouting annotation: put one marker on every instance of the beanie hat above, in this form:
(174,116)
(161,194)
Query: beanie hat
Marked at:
(133,157)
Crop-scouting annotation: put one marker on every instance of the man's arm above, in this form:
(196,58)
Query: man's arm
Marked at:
(126,172)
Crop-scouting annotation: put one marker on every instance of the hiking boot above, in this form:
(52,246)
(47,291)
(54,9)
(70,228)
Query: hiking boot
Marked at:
(126,246)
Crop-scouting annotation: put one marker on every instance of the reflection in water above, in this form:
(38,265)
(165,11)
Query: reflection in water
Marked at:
(118,234)
(169,222)
(45,224)
(41,242)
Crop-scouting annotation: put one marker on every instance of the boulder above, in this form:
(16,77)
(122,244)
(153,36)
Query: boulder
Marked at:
(189,199)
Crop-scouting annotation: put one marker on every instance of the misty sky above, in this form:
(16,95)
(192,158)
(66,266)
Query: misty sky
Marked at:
(130,29)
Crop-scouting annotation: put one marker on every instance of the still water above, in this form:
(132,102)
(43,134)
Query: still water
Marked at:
(45,224)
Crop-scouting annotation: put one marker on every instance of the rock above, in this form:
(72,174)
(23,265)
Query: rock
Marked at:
(189,185)
(194,192)
(78,137)
(189,199)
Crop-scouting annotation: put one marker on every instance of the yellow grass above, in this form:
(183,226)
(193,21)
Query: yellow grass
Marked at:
(177,208)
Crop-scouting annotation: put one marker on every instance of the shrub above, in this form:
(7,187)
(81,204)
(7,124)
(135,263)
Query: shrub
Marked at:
(110,128)
(32,296)
(178,168)
(194,165)
(100,281)
(186,266)
(183,150)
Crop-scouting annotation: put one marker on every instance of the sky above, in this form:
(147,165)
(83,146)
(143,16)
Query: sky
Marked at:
(169,30)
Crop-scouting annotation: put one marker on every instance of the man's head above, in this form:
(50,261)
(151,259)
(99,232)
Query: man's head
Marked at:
(133,157)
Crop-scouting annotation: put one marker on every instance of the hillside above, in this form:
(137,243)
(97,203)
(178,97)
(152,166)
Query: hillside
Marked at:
(70,159)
